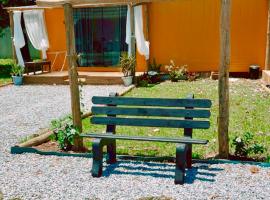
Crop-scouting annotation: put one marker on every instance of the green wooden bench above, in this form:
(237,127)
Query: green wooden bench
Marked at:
(169,113)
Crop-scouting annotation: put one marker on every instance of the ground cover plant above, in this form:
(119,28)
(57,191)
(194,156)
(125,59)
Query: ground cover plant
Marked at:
(5,70)
(249,113)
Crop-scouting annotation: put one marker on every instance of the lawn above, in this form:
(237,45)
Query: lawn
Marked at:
(5,80)
(249,112)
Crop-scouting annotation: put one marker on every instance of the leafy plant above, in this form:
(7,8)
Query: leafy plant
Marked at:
(128,64)
(64,133)
(17,70)
(148,78)
(246,145)
(154,66)
(192,76)
(176,72)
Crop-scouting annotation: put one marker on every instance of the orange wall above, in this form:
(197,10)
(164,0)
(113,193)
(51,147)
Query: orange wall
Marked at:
(56,32)
(187,31)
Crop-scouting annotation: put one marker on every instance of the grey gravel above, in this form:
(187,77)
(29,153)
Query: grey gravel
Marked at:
(24,110)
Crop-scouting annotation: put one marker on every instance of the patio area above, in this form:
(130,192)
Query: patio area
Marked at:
(88,78)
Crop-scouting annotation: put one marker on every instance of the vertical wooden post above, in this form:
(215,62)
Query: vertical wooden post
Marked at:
(73,74)
(225,59)
(267,56)
(146,11)
(11,23)
(133,38)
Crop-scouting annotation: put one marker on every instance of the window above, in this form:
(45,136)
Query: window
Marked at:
(100,35)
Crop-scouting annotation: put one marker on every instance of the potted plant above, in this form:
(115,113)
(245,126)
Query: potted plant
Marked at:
(17,74)
(128,64)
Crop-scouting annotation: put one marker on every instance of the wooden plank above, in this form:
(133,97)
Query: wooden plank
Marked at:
(151,112)
(225,59)
(73,74)
(129,101)
(185,140)
(151,122)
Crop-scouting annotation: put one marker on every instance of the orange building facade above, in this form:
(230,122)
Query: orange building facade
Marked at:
(187,32)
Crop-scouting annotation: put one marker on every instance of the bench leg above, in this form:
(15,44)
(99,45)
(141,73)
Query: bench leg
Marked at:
(189,156)
(181,155)
(97,148)
(111,150)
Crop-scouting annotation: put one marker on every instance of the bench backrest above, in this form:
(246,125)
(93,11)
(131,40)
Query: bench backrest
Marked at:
(172,113)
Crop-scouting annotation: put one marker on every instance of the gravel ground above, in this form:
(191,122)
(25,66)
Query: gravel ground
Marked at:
(23,110)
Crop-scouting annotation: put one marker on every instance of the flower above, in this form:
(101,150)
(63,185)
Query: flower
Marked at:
(73,131)
(238,140)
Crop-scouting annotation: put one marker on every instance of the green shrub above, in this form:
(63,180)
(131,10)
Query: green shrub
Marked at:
(154,66)
(5,67)
(245,145)
(64,133)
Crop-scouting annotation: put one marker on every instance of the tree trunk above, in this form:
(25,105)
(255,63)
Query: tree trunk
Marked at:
(73,74)
(267,56)
(225,59)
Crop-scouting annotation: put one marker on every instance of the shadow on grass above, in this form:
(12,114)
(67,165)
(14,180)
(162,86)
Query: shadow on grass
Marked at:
(161,170)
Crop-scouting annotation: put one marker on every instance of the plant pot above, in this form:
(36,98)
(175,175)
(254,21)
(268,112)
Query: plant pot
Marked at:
(127,80)
(17,80)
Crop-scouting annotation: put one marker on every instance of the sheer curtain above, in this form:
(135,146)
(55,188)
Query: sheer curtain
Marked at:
(36,30)
(142,44)
(18,38)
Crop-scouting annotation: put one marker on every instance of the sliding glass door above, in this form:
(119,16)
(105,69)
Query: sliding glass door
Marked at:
(100,35)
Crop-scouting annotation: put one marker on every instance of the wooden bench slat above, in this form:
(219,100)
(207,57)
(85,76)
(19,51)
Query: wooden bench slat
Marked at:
(184,140)
(151,112)
(129,101)
(151,122)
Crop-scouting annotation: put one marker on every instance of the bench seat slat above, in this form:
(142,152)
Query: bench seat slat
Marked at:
(185,140)
(196,103)
(151,112)
(151,122)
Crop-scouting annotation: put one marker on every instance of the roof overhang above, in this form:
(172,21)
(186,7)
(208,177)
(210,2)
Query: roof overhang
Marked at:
(80,3)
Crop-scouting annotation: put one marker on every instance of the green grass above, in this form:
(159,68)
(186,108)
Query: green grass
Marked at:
(249,112)
(5,80)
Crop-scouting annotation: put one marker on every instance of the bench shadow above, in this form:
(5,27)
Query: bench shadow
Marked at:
(201,172)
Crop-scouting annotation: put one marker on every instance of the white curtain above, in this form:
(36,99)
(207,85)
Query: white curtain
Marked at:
(36,30)
(18,38)
(128,32)
(142,44)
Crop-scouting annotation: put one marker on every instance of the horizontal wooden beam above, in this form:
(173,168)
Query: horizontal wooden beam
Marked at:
(87,3)
(184,140)
(21,8)
(146,122)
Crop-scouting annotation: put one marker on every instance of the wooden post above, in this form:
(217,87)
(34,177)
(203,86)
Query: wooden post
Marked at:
(73,74)
(225,59)
(146,11)
(267,56)
(133,38)
(11,23)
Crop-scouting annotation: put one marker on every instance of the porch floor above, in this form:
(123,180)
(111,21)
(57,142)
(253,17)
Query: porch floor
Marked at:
(88,78)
